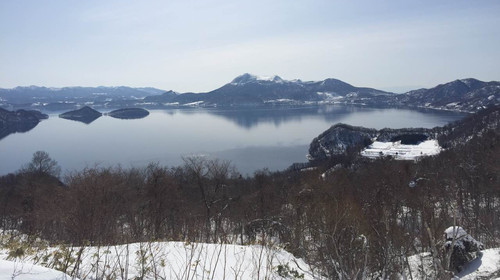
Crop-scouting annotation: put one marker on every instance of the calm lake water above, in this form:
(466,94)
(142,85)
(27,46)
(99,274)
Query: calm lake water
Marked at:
(251,139)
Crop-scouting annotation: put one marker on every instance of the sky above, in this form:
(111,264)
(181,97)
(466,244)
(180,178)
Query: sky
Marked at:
(198,46)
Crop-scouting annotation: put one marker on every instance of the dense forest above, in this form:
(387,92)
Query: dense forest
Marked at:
(347,216)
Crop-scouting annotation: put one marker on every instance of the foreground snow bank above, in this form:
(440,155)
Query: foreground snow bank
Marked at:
(10,270)
(175,260)
(401,151)
(485,266)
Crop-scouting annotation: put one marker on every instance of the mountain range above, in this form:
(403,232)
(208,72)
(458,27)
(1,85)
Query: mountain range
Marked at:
(460,95)
(468,95)
(50,98)
(248,89)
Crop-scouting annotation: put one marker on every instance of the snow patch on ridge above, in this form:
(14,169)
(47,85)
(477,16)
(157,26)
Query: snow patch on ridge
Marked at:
(249,78)
(273,78)
(329,95)
(401,151)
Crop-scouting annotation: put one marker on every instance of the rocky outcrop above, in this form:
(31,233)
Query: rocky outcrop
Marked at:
(18,121)
(129,113)
(84,114)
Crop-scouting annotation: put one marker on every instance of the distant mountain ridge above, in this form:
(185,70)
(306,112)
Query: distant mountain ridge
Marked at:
(249,89)
(460,95)
(36,94)
(468,95)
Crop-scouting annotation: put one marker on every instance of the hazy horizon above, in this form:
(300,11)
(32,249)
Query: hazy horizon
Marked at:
(395,89)
(197,46)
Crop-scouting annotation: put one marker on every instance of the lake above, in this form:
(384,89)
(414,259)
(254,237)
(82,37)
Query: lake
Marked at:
(251,139)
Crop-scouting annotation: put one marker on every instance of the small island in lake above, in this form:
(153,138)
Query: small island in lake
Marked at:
(18,121)
(129,113)
(84,114)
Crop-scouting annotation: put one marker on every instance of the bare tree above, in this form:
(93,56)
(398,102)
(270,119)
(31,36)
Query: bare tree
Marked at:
(42,163)
(211,178)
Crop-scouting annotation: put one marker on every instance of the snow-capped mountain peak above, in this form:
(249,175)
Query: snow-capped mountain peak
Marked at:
(274,78)
(249,78)
(470,82)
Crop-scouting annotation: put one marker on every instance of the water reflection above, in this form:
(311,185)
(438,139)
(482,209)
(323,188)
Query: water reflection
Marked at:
(252,139)
(18,128)
(85,115)
(249,118)
(82,119)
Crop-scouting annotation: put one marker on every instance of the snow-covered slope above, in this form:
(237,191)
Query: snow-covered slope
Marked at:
(174,260)
(485,266)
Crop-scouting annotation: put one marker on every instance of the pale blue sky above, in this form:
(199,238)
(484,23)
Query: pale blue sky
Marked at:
(201,45)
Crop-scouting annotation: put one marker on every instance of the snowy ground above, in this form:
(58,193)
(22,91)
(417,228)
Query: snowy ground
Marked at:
(485,266)
(179,260)
(400,151)
(10,270)
(166,260)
